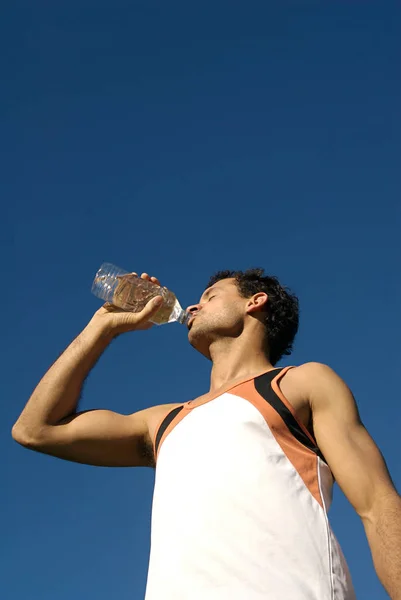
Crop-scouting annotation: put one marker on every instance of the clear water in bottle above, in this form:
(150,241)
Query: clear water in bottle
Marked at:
(131,293)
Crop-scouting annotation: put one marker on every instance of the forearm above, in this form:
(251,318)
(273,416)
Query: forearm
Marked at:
(383,530)
(57,394)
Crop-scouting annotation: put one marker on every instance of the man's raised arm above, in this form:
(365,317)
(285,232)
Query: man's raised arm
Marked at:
(50,422)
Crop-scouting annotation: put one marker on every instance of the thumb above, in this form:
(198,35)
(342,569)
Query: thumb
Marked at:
(153,305)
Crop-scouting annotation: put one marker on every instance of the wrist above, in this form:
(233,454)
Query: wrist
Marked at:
(99,331)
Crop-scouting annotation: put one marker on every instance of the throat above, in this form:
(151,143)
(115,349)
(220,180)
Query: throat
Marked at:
(220,379)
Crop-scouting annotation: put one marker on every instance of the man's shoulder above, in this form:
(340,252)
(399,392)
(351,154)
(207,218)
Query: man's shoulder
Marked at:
(312,366)
(314,380)
(312,369)
(310,376)
(156,414)
(152,418)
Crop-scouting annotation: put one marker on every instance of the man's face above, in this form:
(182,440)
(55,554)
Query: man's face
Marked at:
(219,314)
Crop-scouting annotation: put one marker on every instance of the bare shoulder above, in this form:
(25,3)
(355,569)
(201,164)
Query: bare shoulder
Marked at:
(155,415)
(311,373)
(310,380)
(301,378)
(313,369)
(318,382)
(152,418)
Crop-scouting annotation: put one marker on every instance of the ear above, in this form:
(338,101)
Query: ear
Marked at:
(258,302)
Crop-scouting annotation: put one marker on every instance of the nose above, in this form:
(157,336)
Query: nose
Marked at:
(193,309)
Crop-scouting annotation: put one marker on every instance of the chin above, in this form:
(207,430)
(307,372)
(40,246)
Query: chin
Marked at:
(199,342)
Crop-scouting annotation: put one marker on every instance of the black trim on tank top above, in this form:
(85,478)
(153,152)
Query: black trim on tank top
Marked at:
(263,385)
(164,424)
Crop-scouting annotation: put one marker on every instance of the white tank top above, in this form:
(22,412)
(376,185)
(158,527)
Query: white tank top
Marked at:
(240,503)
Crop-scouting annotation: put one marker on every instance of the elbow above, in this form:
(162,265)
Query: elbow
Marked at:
(19,435)
(23,436)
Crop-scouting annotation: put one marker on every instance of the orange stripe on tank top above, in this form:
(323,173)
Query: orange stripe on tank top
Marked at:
(303,459)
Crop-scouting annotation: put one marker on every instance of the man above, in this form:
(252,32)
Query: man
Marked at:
(244,474)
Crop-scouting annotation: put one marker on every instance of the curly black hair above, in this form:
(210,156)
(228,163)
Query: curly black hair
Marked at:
(282,310)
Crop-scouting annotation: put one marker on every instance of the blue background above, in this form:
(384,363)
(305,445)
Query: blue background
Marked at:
(180,138)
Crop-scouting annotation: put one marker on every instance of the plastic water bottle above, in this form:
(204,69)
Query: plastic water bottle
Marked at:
(131,293)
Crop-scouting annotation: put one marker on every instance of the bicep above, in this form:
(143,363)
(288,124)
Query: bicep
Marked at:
(355,460)
(100,438)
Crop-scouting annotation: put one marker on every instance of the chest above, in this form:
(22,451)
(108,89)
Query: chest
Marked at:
(292,394)
(217,441)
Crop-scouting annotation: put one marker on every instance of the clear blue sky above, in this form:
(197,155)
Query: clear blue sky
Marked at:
(180,138)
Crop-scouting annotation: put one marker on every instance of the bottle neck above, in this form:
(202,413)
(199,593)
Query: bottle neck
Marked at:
(179,314)
(184,317)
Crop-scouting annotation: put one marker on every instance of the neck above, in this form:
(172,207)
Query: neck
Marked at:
(234,360)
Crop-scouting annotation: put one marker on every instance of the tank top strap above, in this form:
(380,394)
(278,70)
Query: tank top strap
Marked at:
(267,386)
(164,425)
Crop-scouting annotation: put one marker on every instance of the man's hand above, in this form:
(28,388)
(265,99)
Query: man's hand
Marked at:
(114,321)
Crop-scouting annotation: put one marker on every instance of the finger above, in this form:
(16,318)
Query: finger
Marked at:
(130,321)
(155,303)
(155,280)
(127,276)
(112,308)
(145,276)
(150,309)
(108,306)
